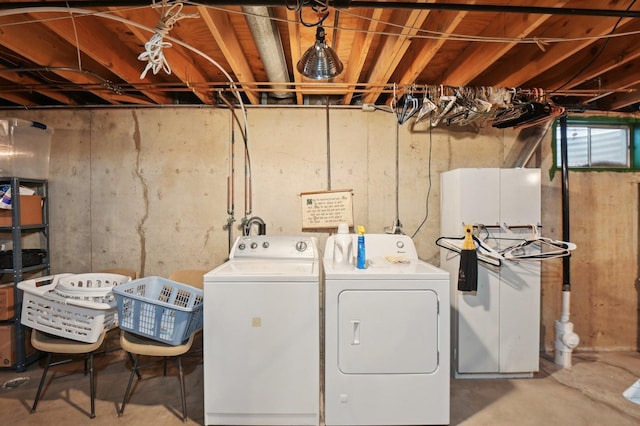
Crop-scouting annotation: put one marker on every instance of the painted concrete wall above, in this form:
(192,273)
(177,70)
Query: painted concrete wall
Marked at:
(147,189)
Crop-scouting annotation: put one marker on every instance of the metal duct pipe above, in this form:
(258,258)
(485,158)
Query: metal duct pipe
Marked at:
(267,38)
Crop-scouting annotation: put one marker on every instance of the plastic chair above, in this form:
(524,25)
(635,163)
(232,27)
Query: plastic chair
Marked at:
(60,345)
(142,346)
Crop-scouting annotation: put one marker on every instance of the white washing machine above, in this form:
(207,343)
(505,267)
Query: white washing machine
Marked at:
(262,334)
(386,337)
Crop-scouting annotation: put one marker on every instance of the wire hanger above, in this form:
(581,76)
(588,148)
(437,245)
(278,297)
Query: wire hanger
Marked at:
(538,248)
(428,106)
(405,107)
(485,253)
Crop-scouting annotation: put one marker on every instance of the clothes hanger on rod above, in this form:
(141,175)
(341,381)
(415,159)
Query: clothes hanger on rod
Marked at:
(485,253)
(445,103)
(405,107)
(538,248)
(427,107)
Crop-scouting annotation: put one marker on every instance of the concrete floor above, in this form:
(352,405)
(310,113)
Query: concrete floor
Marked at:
(590,393)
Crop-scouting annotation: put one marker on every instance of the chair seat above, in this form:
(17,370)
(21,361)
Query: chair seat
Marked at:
(49,343)
(136,344)
(59,345)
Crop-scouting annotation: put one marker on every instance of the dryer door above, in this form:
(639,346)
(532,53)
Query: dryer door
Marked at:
(388,331)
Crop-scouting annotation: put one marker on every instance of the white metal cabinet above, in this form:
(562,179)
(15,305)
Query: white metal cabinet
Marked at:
(496,330)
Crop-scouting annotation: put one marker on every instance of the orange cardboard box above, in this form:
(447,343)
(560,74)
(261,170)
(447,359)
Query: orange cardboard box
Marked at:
(30,211)
(6,302)
(8,345)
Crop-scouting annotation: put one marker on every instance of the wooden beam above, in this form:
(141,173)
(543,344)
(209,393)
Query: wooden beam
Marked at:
(22,79)
(38,45)
(296,50)
(619,100)
(446,23)
(16,98)
(362,39)
(182,66)
(394,47)
(478,56)
(220,27)
(537,61)
(619,52)
(82,33)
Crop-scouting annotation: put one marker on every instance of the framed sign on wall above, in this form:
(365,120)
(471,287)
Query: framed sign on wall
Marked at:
(326,209)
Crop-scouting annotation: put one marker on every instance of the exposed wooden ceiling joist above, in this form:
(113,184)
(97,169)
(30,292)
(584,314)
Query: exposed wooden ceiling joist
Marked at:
(505,43)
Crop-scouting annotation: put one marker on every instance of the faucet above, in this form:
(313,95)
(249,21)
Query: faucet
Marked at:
(255,220)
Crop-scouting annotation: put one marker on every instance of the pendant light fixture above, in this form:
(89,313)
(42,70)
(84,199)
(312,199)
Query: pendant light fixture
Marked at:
(320,61)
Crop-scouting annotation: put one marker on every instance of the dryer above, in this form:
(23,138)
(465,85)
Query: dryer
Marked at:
(386,337)
(262,334)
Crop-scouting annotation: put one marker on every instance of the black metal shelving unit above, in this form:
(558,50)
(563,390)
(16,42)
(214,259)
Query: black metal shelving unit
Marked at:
(18,233)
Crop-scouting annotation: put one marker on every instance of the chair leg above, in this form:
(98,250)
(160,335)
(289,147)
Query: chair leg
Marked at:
(92,386)
(44,376)
(134,370)
(133,363)
(182,390)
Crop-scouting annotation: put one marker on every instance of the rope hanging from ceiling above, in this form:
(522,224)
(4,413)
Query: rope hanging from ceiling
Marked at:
(154,48)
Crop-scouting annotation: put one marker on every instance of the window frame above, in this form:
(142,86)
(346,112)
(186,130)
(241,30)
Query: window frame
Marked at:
(632,124)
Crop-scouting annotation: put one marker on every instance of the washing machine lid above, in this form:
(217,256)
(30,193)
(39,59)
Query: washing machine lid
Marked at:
(383,268)
(265,271)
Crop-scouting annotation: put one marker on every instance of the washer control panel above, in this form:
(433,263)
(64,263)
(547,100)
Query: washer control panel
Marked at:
(274,247)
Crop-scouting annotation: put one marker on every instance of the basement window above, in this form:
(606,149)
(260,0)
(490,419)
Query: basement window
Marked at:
(601,144)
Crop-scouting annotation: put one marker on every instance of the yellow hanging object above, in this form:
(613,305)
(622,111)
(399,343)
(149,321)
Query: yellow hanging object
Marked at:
(468,243)
(468,271)
(360,230)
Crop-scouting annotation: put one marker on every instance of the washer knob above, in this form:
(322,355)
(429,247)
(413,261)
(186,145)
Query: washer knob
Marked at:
(400,244)
(265,244)
(301,246)
(241,246)
(254,245)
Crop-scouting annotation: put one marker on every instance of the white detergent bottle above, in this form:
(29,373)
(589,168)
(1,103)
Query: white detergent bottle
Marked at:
(343,248)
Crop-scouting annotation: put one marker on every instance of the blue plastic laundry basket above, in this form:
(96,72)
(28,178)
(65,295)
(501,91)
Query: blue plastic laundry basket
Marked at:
(160,309)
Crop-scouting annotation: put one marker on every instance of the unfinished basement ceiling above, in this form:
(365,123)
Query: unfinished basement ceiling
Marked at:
(584,54)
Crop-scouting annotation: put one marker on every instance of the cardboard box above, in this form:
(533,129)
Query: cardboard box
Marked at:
(6,302)
(30,211)
(8,355)
(7,346)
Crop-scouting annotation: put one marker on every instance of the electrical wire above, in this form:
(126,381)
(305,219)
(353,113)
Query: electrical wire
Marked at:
(75,34)
(431,35)
(596,56)
(105,15)
(420,33)
(426,216)
(438,35)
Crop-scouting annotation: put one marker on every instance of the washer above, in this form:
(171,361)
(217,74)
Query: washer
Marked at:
(386,337)
(262,334)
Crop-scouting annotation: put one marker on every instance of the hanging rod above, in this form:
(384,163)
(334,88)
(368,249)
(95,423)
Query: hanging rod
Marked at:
(345,4)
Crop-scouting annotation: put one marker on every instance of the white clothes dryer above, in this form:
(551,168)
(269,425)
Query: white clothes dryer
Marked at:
(386,337)
(262,334)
